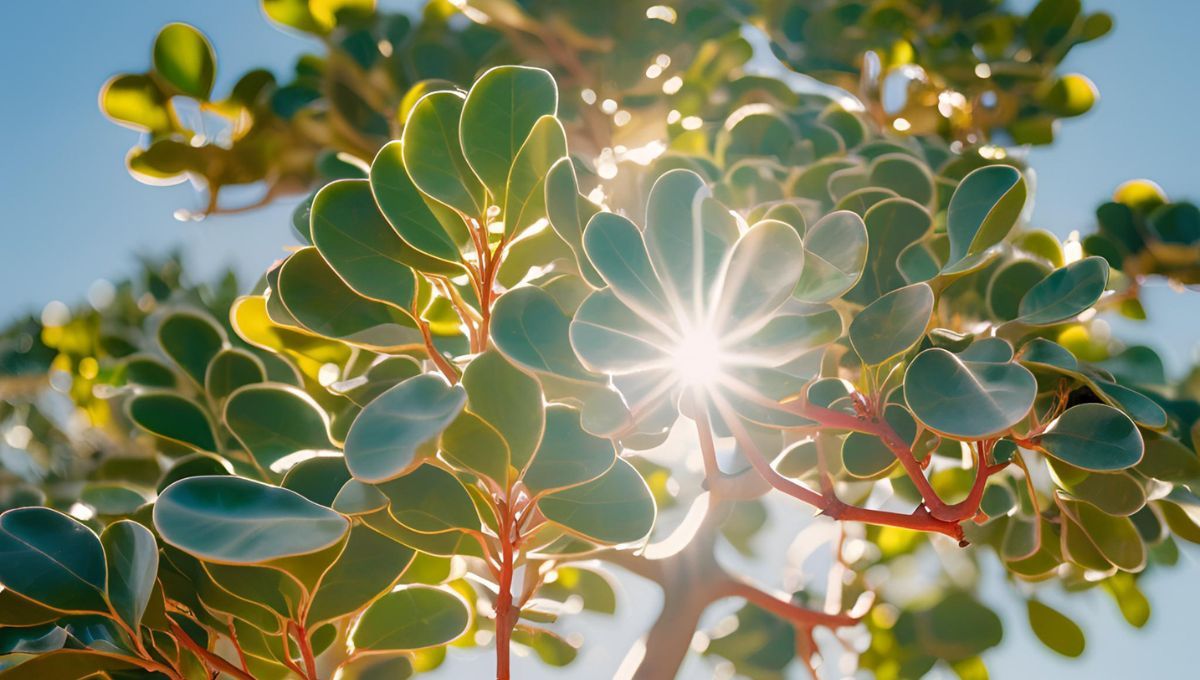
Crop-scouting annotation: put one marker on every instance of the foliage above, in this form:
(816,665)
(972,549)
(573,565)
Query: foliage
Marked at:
(447,416)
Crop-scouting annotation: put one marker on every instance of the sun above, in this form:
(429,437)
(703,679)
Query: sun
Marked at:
(697,359)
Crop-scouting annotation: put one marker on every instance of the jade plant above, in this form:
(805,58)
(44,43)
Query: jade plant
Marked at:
(509,364)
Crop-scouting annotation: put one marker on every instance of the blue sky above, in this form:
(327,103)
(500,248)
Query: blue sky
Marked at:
(71,214)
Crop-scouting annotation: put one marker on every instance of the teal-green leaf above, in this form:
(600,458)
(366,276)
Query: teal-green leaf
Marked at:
(172,417)
(569,212)
(509,400)
(1065,293)
(191,339)
(52,559)
(360,245)
(471,443)
(525,195)
(498,115)
(274,421)
(531,329)
(395,432)
(321,302)
(369,564)
(433,154)
(232,520)
(759,275)
(412,617)
(835,253)
(230,369)
(615,248)
(185,60)
(431,500)
(405,208)
(1055,630)
(132,557)
(568,455)
(972,400)
(1009,285)
(615,508)
(688,235)
(610,338)
(1094,437)
(892,324)
(984,208)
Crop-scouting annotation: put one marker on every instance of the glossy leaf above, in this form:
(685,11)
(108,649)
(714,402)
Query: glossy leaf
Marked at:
(971,400)
(499,113)
(393,433)
(1093,437)
(892,324)
(430,500)
(1065,293)
(413,617)
(275,422)
(53,560)
(433,154)
(184,59)
(238,521)
(132,557)
(615,508)
(983,209)
(835,253)
(173,417)
(568,456)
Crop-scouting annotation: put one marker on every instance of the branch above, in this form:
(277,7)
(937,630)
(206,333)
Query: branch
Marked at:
(785,609)
(214,662)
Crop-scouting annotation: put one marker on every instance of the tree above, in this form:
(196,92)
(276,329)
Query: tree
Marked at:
(436,423)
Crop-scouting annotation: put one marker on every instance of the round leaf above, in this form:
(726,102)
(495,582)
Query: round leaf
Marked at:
(615,508)
(391,435)
(968,400)
(413,617)
(498,115)
(51,559)
(1065,293)
(274,422)
(232,520)
(1055,630)
(1094,437)
(892,324)
(183,58)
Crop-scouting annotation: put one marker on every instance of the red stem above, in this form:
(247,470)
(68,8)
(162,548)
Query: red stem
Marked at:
(789,611)
(505,618)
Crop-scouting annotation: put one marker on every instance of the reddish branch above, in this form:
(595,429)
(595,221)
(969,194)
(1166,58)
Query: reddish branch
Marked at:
(214,662)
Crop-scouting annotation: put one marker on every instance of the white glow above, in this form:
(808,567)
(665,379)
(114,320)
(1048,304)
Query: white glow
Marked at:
(81,512)
(696,361)
(901,124)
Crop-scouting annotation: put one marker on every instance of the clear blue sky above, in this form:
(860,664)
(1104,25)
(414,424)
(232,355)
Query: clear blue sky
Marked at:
(71,215)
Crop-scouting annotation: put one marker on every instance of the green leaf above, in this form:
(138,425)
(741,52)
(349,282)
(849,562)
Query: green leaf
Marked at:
(405,208)
(369,565)
(892,224)
(509,400)
(394,433)
(759,274)
(136,101)
(174,418)
(966,399)
(69,663)
(132,557)
(51,559)
(688,235)
(615,248)
(1043,352)
(1144,410)
(498,115)
(530,328)
(433,154)
(430,500)
(568,456)
(835,253)
(904,175)
(194,465)
(395,666)
(1116,493)
(958,627)
(550,647)
(360,245)
(470,443)
(569,212)
(892,324)
(525,195)
(1116,538)
(610,338)
(412,617)
(615,508)
(1009,285)
(232,520)
(322,303)
(984,208)
(230,369)
(1065,293)
(273,422)
(1055,630)
(359,498)
(191,340)
(1094,437)
(184,59)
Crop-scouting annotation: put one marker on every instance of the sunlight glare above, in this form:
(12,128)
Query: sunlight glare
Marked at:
(697,359)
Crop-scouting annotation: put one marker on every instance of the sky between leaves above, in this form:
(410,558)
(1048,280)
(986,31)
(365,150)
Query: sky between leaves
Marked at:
(72,215)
